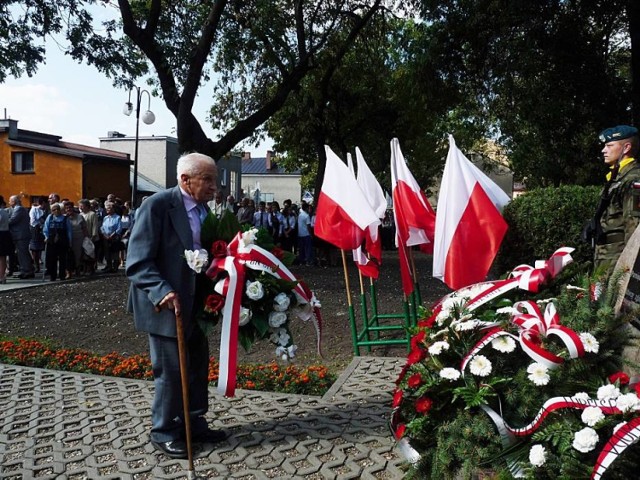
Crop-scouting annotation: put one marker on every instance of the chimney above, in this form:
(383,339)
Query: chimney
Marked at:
(246,155)
(115,134)
(10,125)
(269,160)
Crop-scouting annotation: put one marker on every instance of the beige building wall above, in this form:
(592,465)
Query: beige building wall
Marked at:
(281,186)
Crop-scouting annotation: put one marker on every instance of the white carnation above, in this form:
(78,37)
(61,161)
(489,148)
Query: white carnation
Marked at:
(465,326)
(618,427)
(438,347)
(590,343)
(286,353)
(585,440)
(196,259)
(537,455)
(249,236)
(255,290)
(608,392)
(449,373)
(628,402)
(507,311)
(281,302)
(480,366)
(245,316)
(592,415)
(277,319)
(582,396)
(280,337)
(503,344)
(538,374)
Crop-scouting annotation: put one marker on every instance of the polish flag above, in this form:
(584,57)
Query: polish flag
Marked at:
(369,264)
(469,225)
(414,216)
(343,213)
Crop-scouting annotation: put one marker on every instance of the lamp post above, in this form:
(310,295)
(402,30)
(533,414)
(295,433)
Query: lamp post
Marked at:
(148,118)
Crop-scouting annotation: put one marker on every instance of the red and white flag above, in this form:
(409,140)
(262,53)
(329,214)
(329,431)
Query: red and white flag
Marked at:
(343,213)
(369,265)
(469,225)
(414,216)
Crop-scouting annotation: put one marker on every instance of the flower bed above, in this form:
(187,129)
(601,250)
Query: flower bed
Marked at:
(273,377)
(521,383)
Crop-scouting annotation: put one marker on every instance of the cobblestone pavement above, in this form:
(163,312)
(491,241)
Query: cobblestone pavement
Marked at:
(72,426)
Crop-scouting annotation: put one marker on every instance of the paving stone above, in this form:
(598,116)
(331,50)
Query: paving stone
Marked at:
(71,426)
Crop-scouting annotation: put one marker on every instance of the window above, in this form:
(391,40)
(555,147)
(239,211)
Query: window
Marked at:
(22,162)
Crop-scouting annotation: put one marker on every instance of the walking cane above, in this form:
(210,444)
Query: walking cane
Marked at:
(184,375)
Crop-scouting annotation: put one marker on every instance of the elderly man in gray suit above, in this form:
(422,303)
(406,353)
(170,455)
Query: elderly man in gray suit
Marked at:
(21,234)
(163,285)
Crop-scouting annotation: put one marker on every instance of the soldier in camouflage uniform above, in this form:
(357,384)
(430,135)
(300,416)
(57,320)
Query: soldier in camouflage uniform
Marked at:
(618,214)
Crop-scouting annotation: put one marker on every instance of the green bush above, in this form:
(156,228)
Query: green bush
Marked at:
(543,220)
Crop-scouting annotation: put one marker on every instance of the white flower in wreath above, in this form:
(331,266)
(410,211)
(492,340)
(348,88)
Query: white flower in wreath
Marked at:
(281,302)
(280,337)
(592,415)
(277,319)
(196,259)
(507,311)
(585,440)
(286,353)
(465,326)
(628,402)
(608,392)
(581,396)
(480,366)
(249,237)
(618,427)
(438,347)
(245,316)
(449,373)
(503,344)
(590,343)
(255,290)
(538,374)
(537,455)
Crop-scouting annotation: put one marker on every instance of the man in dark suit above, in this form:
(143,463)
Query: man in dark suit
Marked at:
(162,285)
(21,234)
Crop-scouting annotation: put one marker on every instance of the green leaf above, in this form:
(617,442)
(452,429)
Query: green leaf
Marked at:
(209,231)
(261,323)
(228,226)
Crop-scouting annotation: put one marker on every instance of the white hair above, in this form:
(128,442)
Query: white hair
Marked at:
(16,199)
(191,163)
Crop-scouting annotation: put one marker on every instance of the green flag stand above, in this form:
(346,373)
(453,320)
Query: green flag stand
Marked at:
(375,323)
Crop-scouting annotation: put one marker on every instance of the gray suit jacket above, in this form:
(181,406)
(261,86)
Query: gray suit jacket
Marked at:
(156,263)
(19,223)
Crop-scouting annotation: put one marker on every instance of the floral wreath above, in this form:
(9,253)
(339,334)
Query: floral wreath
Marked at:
(245,282)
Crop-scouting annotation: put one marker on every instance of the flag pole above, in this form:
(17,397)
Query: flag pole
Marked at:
(416,288)
(352,316)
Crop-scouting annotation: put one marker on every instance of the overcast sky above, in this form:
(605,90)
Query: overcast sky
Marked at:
(79,104)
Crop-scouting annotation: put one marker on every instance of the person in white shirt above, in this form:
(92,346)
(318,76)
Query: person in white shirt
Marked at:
(217,205)
(305,240)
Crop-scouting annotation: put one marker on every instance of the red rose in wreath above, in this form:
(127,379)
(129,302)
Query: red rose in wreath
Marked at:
(219,249)
(214,303)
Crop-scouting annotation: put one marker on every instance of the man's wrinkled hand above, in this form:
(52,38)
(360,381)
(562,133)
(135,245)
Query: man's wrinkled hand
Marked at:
(171,302)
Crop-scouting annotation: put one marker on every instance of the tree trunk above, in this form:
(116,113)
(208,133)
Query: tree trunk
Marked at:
(633,12)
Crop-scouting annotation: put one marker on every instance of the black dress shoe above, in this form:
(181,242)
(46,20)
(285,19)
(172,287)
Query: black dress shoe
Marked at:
(210,436)
(173,449)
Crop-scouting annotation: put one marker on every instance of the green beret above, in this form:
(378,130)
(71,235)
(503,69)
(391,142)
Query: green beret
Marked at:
(617,133)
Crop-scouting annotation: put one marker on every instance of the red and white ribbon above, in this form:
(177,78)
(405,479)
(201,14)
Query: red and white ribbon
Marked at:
(627,435)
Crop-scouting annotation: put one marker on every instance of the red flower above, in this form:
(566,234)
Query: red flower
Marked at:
(415,380)
(278,253)
(397,398)
(637,389)
(402,374)
(416,355)
(400,431)
(620,377)
(428,323)
(423,404)
(219,249)
(417,339)
(214,303)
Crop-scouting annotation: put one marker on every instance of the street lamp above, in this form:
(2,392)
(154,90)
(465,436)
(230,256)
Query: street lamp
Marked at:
(148,118)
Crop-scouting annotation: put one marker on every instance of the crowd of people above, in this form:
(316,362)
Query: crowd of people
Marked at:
(63,240)
(290,226)
(68,240)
